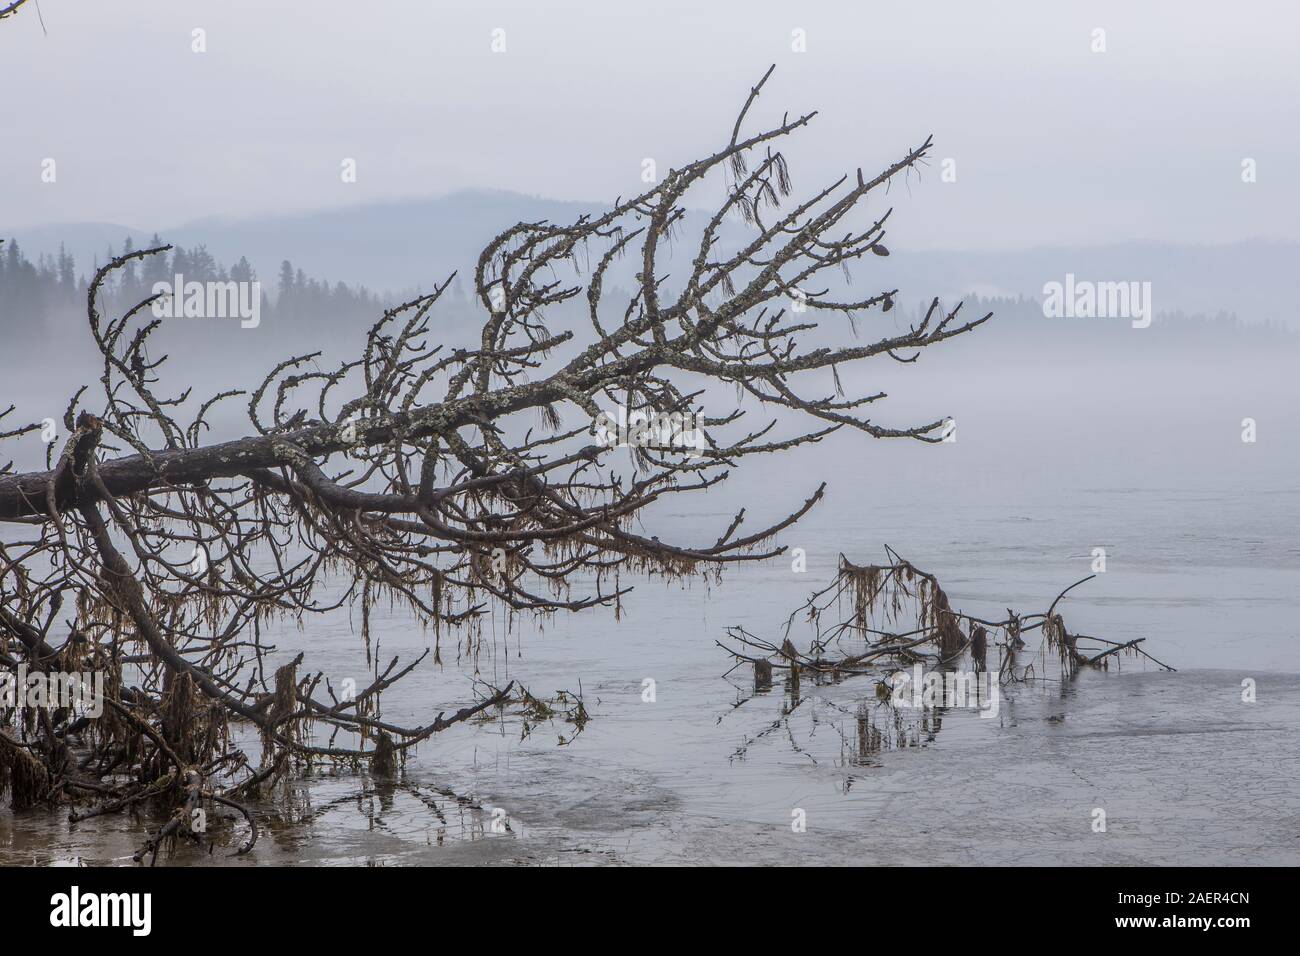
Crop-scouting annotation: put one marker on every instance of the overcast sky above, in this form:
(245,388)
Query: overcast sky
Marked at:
(1052,142)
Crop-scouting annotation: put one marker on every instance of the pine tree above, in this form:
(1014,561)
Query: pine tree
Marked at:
(203,268)
(155,268)
(181,265)
(242,271)
(128,286)
(67,276)
(284,303)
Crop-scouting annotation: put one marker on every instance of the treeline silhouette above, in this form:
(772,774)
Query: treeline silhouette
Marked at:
(38,299)
(1028,311)
(43,302)
(1019,322)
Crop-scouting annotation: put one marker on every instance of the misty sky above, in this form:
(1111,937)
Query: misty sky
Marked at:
(1053,143)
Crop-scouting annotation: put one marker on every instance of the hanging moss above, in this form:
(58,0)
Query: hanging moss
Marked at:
(22,776)
(383,760)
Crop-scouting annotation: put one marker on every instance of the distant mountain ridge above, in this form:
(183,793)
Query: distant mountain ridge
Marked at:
(397,247)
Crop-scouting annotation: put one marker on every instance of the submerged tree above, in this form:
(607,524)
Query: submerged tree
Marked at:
(894,624)
(446,480)
(898,614)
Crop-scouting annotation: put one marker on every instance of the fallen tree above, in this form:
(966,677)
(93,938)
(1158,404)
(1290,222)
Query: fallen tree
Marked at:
(444,480)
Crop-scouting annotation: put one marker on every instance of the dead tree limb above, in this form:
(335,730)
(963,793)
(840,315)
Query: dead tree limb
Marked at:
(444,480)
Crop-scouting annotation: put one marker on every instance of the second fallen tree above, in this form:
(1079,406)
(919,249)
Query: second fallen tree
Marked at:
(884,616)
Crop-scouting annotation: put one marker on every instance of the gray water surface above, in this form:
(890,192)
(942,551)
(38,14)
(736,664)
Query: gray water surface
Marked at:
(1203,563)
